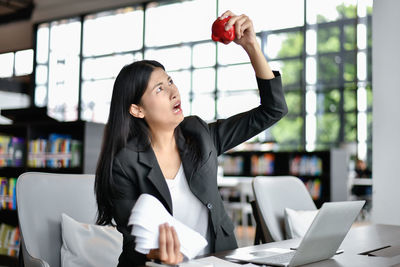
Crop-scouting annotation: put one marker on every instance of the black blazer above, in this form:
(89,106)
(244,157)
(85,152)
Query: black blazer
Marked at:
(136,171)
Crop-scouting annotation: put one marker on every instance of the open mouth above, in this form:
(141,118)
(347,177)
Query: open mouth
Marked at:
(177,107)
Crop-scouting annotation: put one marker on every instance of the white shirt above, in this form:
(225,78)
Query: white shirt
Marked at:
(187,208)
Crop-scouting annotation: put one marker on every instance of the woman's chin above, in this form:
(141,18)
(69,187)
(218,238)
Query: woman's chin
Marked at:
(180,118)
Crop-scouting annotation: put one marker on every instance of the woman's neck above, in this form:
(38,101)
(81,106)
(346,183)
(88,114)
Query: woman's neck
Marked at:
(163,140)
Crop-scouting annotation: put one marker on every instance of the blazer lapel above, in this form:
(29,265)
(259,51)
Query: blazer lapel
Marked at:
(148,158)
(187,163)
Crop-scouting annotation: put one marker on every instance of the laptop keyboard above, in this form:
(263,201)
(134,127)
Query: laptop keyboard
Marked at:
(278,258)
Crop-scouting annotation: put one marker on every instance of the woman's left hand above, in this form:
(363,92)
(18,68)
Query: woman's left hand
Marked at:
(244,30)
(168,246)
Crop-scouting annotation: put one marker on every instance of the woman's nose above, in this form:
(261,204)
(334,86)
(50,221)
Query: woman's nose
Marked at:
(174,91)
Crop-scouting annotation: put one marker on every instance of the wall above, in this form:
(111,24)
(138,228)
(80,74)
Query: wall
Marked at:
(16,36)
(386,111)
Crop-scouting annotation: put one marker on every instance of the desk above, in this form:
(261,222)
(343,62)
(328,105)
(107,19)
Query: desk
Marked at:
(358,240)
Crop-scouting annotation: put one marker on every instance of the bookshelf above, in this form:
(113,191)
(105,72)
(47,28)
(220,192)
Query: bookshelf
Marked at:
(42,146)
(325,173)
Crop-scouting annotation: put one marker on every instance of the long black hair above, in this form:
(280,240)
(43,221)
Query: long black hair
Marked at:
(129,88)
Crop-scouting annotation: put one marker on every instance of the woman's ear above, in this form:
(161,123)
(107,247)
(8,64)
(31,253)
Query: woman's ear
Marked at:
(136,111)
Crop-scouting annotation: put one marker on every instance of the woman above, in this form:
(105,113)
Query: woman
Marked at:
(149,147)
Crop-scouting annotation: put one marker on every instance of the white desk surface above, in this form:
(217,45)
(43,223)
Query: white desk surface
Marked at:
(233,181)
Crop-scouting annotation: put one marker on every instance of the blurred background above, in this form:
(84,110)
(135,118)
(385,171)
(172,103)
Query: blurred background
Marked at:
(321,48)
(64,56)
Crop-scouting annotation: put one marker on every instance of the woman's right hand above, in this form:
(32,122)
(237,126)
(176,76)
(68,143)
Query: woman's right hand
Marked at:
(244,29)
(246,37)
(168,251)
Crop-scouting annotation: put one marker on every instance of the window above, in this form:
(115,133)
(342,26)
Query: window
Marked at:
(203,93)
(64,68)
(14,66)
(165,27)
(284,49)
(117,31)
(339,71)
(120,33)
(58,68)
(267,15)
(7,65)
(23,62)
(17,63)
(323,53)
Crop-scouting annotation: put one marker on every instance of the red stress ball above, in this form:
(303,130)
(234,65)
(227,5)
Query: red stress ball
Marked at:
(218,31)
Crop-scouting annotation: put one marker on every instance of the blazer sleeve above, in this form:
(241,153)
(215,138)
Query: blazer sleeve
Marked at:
(125,197)
(230,132)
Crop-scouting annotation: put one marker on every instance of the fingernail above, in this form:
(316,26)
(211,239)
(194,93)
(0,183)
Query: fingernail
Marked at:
(226,28)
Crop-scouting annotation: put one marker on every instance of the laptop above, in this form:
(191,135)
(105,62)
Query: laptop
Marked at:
(322,240)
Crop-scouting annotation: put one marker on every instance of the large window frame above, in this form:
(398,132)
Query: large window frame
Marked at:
(307,90)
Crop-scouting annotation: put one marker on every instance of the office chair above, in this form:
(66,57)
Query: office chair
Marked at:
(272,195)
(41,199)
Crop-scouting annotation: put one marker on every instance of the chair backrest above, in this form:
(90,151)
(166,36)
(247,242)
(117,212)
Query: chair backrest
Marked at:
(41,199)
(275,193)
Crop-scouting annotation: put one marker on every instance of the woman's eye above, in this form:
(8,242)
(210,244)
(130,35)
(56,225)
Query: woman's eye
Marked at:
(171,82)
(159,89)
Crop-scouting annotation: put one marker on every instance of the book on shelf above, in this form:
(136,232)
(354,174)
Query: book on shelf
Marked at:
(232,165)
(59,155)
(12,193)
(9,240)
(8,193)
(306,165)
(11,151)
(76,150)
(37,153)
(263,164)
(13,243)
(314,187)
(57,151)
(3,193)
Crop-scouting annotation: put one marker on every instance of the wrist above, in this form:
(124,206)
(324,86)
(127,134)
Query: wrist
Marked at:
(252,49)
(258,61)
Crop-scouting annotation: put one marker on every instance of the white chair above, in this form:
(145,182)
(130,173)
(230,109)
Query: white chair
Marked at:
(41,199)
(272,195)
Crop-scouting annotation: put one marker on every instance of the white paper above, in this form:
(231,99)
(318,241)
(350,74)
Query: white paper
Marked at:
(146,216)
